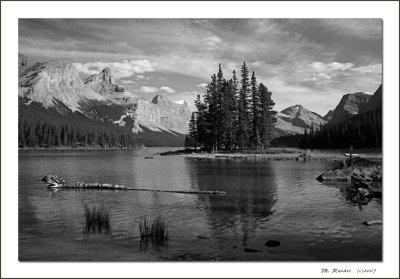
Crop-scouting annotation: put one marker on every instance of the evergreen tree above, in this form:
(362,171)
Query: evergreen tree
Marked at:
(186,143)
(219,107)
(192,137)
(255,104)
(235,85)
(201,123)
(267,115)
(228,117)
(211,102)
(243,109)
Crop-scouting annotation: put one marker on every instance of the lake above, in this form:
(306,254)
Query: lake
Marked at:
(265,200)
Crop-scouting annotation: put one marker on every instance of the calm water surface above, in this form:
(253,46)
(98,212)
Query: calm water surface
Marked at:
(279,200)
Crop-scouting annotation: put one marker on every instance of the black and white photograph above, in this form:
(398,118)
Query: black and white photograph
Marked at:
(201,139)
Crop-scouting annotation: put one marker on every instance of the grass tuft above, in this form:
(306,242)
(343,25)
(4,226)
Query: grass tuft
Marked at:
(97,219)
(156,231)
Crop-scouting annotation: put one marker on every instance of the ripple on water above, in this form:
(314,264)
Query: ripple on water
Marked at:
(265,200)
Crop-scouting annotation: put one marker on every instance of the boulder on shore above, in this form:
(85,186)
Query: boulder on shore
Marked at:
(369,177)
(336,175)
(365,177)
(303,157)
(357,170)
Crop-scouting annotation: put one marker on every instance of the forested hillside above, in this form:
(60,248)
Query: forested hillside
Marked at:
(46,127)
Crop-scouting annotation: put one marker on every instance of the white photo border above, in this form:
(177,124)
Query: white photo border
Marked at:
(11,11)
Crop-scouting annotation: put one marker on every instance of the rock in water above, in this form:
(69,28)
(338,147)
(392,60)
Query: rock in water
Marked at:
(358,170)
(374,222)
(369,177)
(336,175)
(251,250)
(303,157)
(376,187)
(362,196)
(272,243)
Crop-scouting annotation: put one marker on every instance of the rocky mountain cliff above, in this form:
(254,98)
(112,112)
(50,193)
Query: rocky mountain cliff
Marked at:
(23,60)
(162,112)
(103,83)
(58,86)
(349,106)
(294,119)
(302,117)
(329,115)
(54,82)
(374,103)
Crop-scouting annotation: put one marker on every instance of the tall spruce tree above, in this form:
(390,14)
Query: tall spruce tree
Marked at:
(228,117)
(235,84)
(255,122)
(243,109)
(211,102)
(267,115)
(192,138)
(201,123)
(219,107)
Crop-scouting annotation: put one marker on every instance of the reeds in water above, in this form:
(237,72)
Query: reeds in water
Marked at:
(97,219)
(156,231)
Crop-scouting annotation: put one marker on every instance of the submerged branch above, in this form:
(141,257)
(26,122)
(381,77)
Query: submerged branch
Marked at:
(54,182)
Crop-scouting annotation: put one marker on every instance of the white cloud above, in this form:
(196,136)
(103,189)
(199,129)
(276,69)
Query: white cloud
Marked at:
(148,89)
(370,69)
(324,76)
(329,67)
(257,63)
(202,84)
(167,89)
(180,102)
(83,69)
(139,76)
(127,81)
(128,94)
(212,41)
(119,69)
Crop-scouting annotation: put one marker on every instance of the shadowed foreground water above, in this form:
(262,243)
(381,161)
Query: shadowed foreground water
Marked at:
(278,200)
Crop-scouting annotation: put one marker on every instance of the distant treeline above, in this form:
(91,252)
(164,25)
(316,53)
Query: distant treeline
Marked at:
(360,131)
(44,134)
(40,127)
(232,114)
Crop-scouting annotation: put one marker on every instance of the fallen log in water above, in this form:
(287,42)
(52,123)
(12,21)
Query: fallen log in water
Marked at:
(54,182)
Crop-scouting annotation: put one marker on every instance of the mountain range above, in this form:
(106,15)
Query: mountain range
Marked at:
(349,106)
(56,88)
(293,120)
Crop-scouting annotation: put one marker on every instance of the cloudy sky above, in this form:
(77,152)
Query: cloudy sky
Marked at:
(311,62)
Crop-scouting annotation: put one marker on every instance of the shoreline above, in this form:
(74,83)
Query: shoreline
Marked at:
(277,154)
(274,153)
(77,148)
